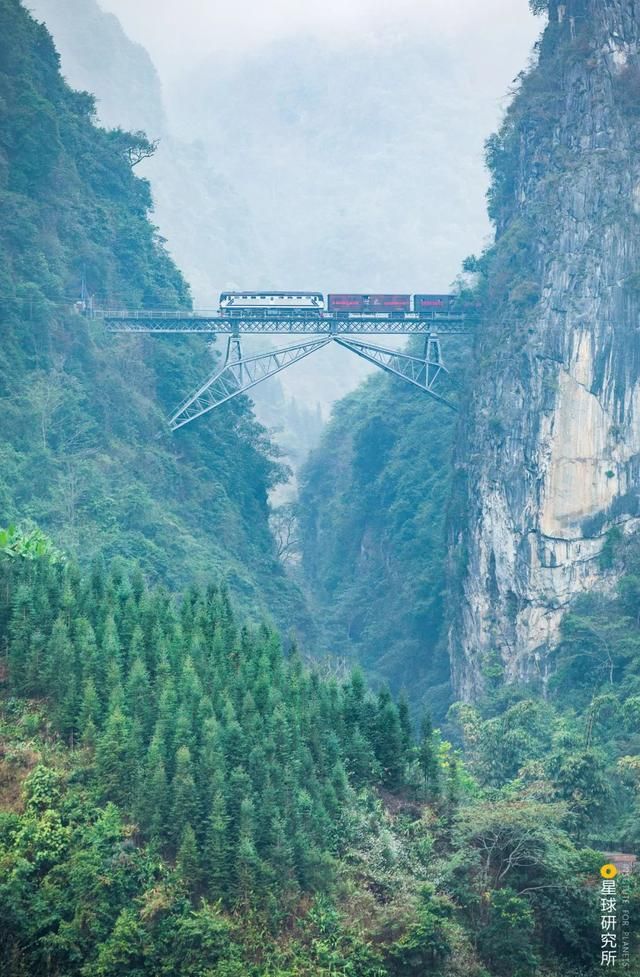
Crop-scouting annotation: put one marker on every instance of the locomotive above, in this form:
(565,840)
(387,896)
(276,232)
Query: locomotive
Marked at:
(241,302)
(312,304)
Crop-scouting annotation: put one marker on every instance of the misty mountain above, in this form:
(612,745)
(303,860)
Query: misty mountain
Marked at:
(100,58)
(360,165)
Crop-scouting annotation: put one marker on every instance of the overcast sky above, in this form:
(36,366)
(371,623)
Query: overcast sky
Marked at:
(179,34)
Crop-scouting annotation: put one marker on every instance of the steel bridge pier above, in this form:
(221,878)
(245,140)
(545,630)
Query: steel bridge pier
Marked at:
(240,373)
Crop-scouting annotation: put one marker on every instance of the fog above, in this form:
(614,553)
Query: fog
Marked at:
(496,33)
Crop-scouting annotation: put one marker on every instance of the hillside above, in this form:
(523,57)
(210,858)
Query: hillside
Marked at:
(511,533)
(207,222)
(179,799)
(85,451)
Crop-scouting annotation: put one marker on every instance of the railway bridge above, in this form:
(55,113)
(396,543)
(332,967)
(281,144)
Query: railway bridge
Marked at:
(239,373)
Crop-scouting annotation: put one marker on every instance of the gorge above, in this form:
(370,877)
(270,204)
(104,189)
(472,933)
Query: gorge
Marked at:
(413,746)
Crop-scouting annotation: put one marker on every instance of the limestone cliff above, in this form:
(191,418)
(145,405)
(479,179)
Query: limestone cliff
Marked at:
(550,444)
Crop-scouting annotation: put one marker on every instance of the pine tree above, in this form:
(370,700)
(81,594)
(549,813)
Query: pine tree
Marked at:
(152,804)
(218,851)
(404,717)
(210,766)
(235,747)
(20,630)
(453,787)
(188,859)
(113,689)
(190,690)
(58,661)
(89,716)
(239,788)
(84,639)
(166,718)
(340,782)
(136,647)
(247,863)
(354,695)
(127,625)
(113,760)
(61,679)
(110,649)
(363,766)
(428,758)
(137,696)
(184,807)
(281,855)
(389,742)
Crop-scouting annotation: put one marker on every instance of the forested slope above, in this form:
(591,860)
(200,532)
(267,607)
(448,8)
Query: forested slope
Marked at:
(84,447)
(179,798)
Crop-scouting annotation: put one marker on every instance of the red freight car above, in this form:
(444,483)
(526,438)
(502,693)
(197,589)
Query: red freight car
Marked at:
(345,303)
(369,303)
(387,303)
(432,303)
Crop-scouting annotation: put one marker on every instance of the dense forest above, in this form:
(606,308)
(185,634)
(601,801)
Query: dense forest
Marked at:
(181,798)
(183,790)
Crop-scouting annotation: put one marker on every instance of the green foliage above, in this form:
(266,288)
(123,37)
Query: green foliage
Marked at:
(181,797)
(232,763)
(41,789)
(211,807)
(373,503)
(608,551)
(30,544)
(506,939)
(578,745)
(84,450)
(426,944)
(226,753)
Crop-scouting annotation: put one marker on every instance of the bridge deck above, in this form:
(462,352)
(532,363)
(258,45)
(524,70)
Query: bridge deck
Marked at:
(326,323)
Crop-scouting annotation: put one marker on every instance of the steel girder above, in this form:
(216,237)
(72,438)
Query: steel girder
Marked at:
(329,324)
(238,374)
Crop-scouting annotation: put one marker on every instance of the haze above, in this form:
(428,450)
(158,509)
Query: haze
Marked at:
(177,35)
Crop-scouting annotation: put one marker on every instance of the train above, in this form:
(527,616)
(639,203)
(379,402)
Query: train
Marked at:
(344,304)
(278,301)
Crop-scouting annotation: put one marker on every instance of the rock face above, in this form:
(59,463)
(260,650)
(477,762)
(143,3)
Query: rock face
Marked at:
(550,444)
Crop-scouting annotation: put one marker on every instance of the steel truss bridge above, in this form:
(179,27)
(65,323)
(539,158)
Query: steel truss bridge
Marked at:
(240,373)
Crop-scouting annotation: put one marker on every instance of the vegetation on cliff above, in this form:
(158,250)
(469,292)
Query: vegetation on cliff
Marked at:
(372,509)
(84,449)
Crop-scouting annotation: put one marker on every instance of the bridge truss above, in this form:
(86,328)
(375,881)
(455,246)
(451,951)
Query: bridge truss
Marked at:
(240,373)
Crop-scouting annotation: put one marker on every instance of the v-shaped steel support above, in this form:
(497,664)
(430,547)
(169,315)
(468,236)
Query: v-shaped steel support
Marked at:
(421,371)
(238,374)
